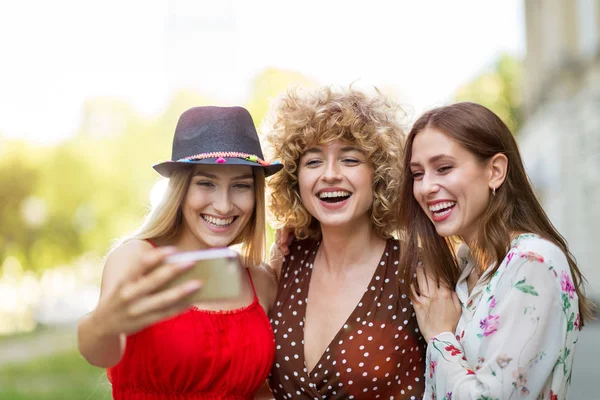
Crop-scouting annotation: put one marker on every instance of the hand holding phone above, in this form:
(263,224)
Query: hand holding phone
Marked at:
(219,270)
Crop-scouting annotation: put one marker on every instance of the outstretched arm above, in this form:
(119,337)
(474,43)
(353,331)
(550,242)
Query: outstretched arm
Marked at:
(131,300)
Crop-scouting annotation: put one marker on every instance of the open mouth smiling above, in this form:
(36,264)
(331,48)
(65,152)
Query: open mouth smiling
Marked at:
(334,196)
(441,209)
(218,222)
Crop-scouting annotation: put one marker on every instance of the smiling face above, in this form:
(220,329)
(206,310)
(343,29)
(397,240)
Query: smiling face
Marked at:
(336,183)
(218,204)
(450,184)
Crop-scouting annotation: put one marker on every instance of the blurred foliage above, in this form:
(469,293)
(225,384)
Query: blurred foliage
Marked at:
(499,89)
(61,376)
(271,83)
(59,202)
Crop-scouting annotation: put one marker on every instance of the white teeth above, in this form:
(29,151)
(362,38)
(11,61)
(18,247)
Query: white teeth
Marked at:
(441,206)
(342,193)
(441,214)
(218,221)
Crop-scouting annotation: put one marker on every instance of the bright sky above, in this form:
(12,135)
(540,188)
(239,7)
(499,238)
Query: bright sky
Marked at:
(55,54)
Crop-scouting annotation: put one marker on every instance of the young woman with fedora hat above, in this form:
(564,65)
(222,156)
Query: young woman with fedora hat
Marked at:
(154,342)
(343,322)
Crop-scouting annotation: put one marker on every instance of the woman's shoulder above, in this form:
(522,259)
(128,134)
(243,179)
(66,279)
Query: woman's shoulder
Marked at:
(537,266)
(533,247)
(265,284)
(121,259)
(532,258)
(263,273)
(127,254)
(130,248)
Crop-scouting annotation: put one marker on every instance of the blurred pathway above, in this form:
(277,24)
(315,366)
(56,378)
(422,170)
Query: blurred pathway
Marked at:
(586,371)
(25,347)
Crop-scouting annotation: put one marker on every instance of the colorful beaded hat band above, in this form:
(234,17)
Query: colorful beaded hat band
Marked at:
(221,155)
(216,135)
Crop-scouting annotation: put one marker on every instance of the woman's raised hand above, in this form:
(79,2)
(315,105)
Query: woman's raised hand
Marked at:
(438,308)
(280,248)
(136,300)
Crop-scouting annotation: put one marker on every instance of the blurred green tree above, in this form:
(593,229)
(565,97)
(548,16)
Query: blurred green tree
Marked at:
(499,89)
(59,202)
(271,83)
(20,214)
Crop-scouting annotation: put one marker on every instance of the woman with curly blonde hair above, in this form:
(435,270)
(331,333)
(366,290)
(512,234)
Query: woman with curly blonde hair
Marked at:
(343,322)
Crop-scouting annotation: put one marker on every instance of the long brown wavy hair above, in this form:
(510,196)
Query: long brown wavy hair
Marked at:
(514,208)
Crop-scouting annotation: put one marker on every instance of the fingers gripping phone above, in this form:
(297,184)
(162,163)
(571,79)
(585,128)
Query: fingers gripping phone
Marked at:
(220,271)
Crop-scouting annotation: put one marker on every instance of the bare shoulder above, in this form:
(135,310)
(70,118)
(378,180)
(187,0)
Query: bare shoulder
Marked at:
(127,253)
(264,277)
(265,283)
(130,248)
(121,260)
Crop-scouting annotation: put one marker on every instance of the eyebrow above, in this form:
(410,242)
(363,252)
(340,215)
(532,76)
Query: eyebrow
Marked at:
(432,159)
(344,149)
(212,176)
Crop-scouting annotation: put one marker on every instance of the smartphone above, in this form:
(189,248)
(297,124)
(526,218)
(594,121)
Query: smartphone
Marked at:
(220,271)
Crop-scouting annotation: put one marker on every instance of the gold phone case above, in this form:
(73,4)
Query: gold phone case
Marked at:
(220,271)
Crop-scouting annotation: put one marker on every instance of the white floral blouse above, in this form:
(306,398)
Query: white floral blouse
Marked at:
(516,336)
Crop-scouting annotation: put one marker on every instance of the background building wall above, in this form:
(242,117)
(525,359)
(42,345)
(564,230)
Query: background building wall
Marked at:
(560,139)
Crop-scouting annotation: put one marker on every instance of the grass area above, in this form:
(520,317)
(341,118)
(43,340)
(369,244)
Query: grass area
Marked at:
(61,376)
(39,329)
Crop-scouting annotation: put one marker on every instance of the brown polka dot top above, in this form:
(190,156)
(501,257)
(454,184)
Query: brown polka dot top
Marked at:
(377,354)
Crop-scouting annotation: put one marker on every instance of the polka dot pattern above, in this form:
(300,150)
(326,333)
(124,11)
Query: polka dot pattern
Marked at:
(377,354)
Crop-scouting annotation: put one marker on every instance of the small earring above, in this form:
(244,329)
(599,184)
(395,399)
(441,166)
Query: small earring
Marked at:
(494,191)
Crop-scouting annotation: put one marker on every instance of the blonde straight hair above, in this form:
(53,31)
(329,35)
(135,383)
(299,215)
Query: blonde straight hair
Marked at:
(165,220)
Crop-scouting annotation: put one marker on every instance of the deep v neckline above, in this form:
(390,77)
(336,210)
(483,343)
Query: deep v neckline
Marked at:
(351,316)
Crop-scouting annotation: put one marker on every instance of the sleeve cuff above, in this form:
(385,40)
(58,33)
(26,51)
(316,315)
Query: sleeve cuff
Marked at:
(441,343)
(444,336)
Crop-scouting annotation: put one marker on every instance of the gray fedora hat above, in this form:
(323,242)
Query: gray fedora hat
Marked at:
(216,135)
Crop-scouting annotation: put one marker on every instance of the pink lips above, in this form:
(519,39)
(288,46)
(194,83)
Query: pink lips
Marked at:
(439,218)
(336,205)
(435,215)
(333,206)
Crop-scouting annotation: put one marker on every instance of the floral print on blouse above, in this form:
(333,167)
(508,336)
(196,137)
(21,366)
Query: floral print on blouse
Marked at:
(516,336)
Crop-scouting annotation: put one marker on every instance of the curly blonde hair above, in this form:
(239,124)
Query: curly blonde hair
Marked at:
(299,121)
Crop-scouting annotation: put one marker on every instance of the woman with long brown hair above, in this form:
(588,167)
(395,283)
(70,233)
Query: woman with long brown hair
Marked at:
(510,328)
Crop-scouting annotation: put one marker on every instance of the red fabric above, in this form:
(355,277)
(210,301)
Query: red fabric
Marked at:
(197,355)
